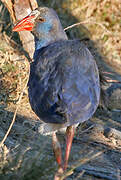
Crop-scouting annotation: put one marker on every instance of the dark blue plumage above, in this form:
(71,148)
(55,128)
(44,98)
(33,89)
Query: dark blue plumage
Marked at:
(64,83)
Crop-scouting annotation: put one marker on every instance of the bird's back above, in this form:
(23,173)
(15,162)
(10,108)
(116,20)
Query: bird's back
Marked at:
(64,83)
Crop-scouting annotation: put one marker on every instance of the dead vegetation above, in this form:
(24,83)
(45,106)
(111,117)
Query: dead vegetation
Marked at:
(27,155)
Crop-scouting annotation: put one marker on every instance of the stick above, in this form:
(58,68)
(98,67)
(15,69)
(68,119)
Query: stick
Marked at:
(82,161)
(88,21)
(14,117)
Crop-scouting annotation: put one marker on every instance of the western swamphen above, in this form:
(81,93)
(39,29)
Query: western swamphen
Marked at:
(63,86)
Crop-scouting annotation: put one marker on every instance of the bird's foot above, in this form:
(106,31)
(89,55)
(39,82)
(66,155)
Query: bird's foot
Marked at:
(59,173)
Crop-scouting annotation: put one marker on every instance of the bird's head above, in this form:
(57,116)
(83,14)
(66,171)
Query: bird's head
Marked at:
(42,22)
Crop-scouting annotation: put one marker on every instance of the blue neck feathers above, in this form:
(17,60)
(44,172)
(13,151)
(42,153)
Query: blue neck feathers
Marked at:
(48,32)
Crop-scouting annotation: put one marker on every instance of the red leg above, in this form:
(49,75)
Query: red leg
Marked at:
(69,138)
(57,149)
(58,155)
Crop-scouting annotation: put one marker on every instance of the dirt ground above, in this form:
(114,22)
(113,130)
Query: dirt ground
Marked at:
(96,149)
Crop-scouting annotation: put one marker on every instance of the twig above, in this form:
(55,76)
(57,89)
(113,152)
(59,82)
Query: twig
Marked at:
(76,24)
(82,161)
(88,21)
(86,130)
(112,81)
(14,117)
(80,174)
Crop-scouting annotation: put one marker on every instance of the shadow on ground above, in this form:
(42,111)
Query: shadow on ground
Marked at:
(28,154)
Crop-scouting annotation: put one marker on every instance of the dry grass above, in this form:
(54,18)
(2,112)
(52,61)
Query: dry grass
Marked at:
(105,25)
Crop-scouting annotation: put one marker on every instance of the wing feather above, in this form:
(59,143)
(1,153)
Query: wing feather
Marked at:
(66,83)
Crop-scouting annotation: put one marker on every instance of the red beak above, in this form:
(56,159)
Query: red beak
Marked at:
(26,24)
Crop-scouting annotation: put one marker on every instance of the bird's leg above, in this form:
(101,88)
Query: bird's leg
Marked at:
(57,151)
(69,138)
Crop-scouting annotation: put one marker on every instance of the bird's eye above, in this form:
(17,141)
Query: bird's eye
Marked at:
(40,19)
